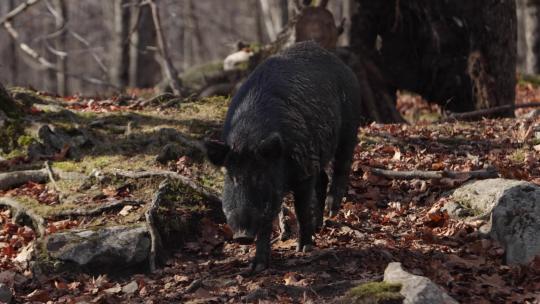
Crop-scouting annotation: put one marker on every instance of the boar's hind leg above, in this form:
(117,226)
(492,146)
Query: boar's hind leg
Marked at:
(322,184)
(342,167)
(304,202)
(262,254)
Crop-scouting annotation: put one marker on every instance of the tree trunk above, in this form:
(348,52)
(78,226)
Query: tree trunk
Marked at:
(12,66)
(144,69)
(120,49)
(459,54)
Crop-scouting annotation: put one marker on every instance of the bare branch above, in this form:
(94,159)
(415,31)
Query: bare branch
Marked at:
(490,111)
(19,9)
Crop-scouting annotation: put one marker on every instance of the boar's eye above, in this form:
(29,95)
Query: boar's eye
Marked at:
(216,152)
(271,147)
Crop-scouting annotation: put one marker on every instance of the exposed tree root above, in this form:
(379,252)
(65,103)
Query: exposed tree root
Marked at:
(208,193)
(20,212)
(415,174)
(96,210)
(155,239)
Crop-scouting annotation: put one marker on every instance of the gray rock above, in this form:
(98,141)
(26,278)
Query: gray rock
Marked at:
(5,294)
(416,289)
(117,247)
(512,209)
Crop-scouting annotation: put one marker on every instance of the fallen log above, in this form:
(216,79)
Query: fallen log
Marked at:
(417,174)
(489,112)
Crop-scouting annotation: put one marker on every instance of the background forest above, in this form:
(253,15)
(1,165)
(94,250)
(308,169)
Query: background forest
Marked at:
(108,109)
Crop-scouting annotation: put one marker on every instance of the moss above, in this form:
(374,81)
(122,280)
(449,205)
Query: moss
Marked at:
(25,140)
(374,293)
(10,134)
(518,156)
(196,76)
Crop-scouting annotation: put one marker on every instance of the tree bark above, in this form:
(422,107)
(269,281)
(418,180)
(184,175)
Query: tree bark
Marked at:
(7,6)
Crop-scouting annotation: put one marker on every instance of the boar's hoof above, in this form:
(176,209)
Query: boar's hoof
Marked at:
(304,248)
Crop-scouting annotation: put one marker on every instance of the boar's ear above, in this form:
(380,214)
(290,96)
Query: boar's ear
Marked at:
(271,147)
(216,152)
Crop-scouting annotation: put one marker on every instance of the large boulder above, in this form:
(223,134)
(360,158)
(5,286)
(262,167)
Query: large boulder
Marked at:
(511,209)
(416,289)
(101,248)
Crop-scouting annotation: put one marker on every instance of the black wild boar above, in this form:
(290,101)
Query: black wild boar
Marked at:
(298,111)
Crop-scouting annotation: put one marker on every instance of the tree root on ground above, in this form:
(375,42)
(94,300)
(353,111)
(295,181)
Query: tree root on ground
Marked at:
(96,210)
(20,212)
(416,174)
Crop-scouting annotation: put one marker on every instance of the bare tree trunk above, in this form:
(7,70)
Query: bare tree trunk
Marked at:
(120,49)
(188,35)
(269,23)
(202,50)
(528,14)
(60,44)
(168,68)
(144,69)
(258,22)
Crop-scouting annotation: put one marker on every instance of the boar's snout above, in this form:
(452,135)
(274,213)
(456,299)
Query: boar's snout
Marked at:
(243,237)
(244,223)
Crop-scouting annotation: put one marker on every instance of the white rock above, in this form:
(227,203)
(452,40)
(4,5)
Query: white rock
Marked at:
(416,289)
(513,210)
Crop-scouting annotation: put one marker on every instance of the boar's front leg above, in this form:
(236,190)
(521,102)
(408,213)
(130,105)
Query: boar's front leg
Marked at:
(262,253)
(304,205)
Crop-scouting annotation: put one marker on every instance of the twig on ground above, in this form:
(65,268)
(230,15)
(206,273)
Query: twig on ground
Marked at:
(155,239)
(19,211)
(416,174)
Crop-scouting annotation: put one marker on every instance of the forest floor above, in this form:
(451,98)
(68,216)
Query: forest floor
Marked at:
(381,220)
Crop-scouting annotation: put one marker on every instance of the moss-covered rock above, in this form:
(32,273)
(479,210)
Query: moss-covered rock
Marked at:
(374,293)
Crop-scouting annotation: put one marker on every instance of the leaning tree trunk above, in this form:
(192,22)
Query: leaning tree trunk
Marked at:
(460,54)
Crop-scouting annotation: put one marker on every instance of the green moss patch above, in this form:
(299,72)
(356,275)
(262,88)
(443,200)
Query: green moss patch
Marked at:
(374,293)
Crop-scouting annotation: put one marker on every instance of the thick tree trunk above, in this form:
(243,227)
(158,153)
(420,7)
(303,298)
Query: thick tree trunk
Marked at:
(12,66)
(459,54)
(144,68)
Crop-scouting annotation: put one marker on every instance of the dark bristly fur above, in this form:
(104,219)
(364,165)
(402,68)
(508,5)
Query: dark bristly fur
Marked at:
(298,111)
